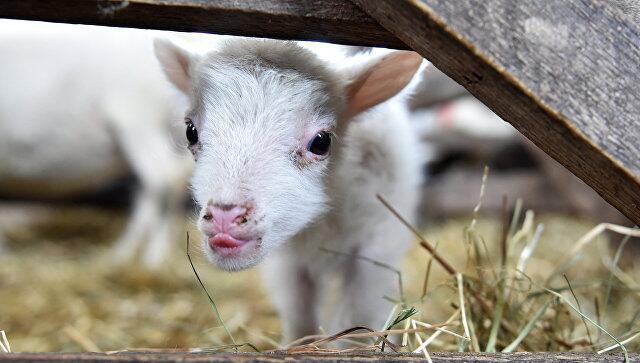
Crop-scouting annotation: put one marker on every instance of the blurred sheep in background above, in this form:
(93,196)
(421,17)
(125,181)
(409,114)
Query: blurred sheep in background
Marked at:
(82,108)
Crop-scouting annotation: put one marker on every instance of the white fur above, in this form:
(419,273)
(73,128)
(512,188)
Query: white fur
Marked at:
(81,107)
(254,104)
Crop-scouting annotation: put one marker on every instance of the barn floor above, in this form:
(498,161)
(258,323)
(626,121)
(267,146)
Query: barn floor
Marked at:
(59,290)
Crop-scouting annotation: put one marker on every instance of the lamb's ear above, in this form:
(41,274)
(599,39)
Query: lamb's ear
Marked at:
(175,63)
(380,81)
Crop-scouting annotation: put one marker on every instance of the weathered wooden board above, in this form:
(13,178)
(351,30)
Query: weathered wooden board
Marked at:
(366,357)
(565,73)
(337,21)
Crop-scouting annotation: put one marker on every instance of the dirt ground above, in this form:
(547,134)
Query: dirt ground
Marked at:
(61,291)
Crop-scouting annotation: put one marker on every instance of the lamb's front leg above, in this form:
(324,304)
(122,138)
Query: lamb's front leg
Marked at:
(362,294)
(294,293)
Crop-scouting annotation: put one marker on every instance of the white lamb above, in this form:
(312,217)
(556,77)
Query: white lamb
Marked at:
(291,149)
(81,107)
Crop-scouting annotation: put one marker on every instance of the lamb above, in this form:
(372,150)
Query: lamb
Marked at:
(290,153)
(80,108)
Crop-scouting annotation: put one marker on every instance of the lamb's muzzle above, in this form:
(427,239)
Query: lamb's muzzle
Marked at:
(228,231)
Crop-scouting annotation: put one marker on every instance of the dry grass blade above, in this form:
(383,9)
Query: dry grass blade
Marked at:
(320,339)
(505,232)
(405,336)
(261,336)
(374,334)
(631,323)
(301,341)
(596,305)
(475,344)
(463,310)
(497,318)
(419,339)
(423,346)
(231,346)
(427,342)
(586,239)
(427,274)
(501,296)
(618,343)
(524,231)
(345,334)
(213,303)
(516,217)
(82,340)
(441,330)
(528,328)
(614,264)
(527,251)
(579,309)
(625,278)
(483,185)
(4,343)
(423,242)
(611,347)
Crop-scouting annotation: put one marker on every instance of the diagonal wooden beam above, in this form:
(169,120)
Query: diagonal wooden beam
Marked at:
(565,73)
(337,21)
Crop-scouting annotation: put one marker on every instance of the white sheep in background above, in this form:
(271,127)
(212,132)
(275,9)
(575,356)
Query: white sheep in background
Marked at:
(291,149)
(80,108)
(452,121)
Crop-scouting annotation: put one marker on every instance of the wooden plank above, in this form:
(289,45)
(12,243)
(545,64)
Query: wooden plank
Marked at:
(337,21)
(352,357)
(565,73)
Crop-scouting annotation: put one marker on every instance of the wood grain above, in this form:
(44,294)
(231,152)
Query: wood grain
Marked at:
(337,21)
(566,74)
(276,357)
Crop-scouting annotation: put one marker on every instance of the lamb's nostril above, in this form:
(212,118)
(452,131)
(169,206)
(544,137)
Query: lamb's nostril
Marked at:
(224,216)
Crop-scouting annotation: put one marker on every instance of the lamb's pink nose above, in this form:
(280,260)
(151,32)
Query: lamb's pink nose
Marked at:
(223,216)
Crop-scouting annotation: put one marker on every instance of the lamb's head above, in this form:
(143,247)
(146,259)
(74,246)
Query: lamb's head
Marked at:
(264,118)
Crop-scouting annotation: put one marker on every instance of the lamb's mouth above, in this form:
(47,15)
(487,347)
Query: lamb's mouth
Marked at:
(228,246)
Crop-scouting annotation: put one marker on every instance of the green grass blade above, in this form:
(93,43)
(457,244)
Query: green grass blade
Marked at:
(213,303)
(624,349)
(527,328)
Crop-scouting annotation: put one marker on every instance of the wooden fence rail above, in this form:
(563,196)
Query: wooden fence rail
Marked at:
(366,357)
(336,21)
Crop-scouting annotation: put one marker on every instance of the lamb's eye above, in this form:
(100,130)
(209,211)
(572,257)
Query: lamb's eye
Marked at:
(192,133)
(320,143)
